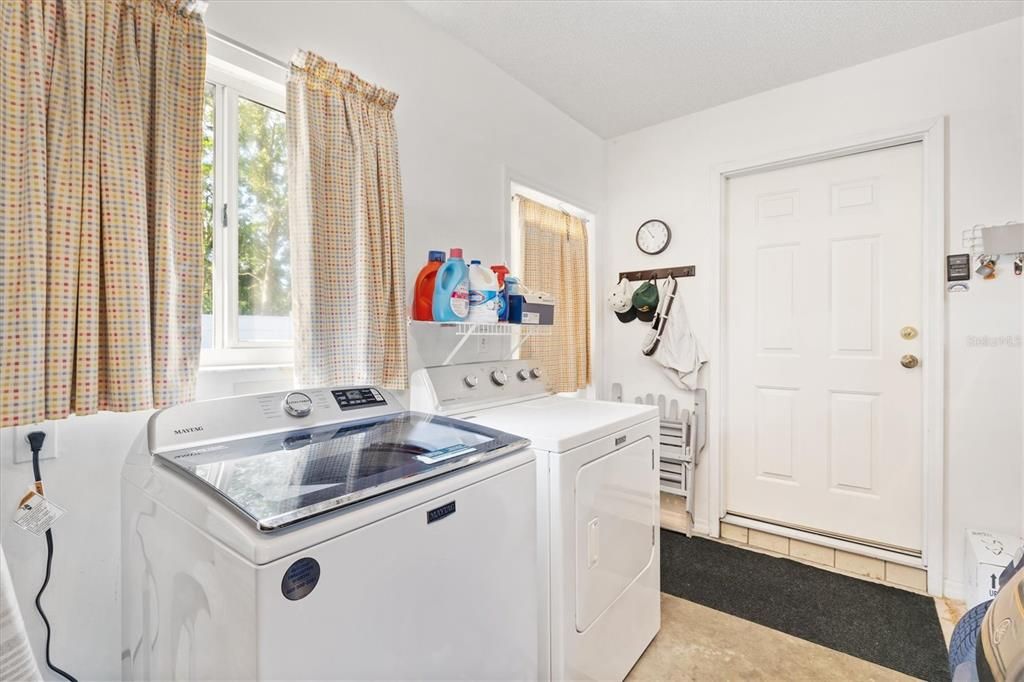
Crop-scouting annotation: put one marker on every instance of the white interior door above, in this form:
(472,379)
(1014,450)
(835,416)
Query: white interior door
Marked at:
(823,422)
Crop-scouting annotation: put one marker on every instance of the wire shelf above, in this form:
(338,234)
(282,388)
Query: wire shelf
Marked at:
(488,328)
(466,330)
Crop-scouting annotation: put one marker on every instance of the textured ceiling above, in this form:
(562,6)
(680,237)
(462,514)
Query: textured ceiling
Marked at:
(620,66)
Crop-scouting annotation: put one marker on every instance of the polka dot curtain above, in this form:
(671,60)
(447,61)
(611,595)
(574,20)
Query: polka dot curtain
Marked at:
(101,269)
(347,229)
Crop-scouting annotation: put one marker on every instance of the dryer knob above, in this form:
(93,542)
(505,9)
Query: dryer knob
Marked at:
(499,377)
(470,380)
(536,373)
(523,374)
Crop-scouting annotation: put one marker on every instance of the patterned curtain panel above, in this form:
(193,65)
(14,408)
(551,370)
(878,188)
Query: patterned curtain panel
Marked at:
(101,270)
(555,261)
(347,229)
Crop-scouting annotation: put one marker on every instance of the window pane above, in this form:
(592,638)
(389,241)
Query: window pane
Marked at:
(209,121)
(264,269)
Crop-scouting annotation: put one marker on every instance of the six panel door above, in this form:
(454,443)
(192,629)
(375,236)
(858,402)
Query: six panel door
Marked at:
(823,422)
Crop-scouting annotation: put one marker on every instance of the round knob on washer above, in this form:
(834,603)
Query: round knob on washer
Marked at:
(297,404)
(470,380)
(499,377)
(536,373)
(523,374)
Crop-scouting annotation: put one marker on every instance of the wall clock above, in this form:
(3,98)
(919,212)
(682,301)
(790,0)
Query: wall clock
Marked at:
(653,237)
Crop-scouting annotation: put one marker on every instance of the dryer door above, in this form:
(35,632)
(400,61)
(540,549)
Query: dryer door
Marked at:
(616,499)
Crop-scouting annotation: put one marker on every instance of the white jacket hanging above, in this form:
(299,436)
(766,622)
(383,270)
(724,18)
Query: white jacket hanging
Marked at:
(672,342)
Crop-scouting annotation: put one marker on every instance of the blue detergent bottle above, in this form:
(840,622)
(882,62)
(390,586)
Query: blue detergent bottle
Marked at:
(451,291)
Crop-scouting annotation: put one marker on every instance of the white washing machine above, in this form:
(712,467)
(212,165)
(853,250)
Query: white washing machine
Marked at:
(327,534)
(598,502)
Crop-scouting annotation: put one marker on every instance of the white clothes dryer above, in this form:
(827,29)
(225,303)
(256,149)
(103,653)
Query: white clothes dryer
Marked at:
(598,509)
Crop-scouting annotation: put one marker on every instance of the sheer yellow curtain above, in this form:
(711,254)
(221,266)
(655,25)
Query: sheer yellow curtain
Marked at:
(347,229)
(101,207)
(554,248)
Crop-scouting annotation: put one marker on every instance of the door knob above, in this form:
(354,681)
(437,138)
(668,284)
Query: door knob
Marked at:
(909,361)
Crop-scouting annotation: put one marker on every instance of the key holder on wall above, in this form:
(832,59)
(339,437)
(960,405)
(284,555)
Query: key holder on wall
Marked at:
(659,273)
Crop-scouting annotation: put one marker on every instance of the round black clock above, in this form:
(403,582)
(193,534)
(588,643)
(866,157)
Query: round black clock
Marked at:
(653,237)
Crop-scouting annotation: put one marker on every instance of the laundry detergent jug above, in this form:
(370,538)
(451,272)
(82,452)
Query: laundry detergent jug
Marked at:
(501,271)
(483,293)
(423,294)
(451,290)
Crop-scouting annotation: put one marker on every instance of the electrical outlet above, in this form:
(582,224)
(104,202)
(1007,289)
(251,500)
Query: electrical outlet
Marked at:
(22,451)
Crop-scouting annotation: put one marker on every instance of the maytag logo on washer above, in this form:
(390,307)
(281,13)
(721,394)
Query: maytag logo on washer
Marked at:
(441,512)
(187,429)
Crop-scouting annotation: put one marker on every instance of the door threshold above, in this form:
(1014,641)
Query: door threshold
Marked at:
(913,560)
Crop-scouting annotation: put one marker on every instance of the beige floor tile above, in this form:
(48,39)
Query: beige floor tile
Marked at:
(862,565)
(906,576)
(809,551)
(698,643)
(773,543)
(734,533)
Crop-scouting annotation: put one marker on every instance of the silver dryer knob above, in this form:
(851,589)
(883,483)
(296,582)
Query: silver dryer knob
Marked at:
(297,404)
(499,377)
(470,380)
(536,373)
(523,374)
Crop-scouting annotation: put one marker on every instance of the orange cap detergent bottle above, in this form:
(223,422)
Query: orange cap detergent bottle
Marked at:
(501,271)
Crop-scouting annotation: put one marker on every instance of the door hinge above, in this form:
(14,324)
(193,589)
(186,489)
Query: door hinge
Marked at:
(224,215)
(652,535)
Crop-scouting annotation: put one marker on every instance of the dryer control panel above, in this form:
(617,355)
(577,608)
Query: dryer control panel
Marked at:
(454,388)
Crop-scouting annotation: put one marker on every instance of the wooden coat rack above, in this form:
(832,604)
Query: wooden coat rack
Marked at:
(659,273)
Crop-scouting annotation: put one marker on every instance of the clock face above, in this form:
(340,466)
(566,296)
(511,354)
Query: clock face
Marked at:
(653,237)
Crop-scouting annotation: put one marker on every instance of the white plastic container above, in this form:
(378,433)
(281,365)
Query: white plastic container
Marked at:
(483,293)
(985,556)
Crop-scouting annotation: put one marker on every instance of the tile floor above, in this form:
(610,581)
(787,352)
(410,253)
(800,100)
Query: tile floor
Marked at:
(698,643)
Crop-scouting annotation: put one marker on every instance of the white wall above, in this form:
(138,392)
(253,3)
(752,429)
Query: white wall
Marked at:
(975,79)
(463,126)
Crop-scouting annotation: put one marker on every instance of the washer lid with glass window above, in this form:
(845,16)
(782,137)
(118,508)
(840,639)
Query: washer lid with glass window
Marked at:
(283,478)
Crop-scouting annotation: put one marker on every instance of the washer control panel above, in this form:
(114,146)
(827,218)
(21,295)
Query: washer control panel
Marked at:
(198,424)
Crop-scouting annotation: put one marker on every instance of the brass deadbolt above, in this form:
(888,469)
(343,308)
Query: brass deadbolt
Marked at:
(909,361)
(908,333)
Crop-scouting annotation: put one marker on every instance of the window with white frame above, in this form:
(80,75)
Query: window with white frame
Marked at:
(247,278)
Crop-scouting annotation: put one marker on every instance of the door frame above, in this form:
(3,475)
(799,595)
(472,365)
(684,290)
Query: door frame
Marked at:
(931,133)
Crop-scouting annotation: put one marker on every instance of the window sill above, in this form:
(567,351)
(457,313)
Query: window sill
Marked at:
(230,358)
(220,368)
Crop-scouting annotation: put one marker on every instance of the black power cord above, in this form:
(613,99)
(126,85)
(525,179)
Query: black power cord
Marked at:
(35,441)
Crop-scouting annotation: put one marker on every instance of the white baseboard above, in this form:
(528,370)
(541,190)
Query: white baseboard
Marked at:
(952,589)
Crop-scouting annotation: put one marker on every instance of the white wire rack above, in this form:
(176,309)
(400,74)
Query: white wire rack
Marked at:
(466,330)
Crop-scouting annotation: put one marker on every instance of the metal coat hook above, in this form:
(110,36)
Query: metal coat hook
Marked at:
(659,273)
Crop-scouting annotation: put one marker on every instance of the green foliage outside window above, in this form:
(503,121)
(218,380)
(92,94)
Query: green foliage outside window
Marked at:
(264,276)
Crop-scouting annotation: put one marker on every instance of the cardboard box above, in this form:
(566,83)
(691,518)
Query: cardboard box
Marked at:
(985,556)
